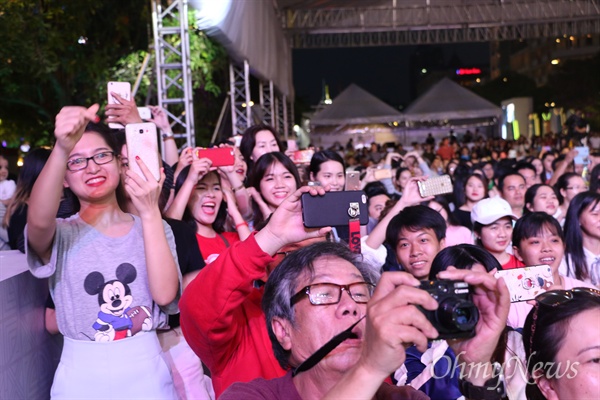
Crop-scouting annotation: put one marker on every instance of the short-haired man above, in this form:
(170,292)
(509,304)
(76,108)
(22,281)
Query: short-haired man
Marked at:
(512,188)
(321,291)
(417,234)
(529,173)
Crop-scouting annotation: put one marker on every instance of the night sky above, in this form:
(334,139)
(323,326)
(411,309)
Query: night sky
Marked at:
(382,71)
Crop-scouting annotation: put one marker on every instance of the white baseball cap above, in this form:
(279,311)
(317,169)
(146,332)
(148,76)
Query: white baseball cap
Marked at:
(488,211)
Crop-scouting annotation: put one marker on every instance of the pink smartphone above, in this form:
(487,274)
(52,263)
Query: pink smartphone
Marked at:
(123,89)
(143,143)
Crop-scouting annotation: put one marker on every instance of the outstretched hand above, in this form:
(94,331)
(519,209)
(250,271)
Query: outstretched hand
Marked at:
(160,119)
(286,225)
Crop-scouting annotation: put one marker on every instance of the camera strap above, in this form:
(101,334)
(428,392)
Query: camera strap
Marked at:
(354,237)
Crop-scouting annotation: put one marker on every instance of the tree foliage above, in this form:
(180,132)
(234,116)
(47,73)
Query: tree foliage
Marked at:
(56,53)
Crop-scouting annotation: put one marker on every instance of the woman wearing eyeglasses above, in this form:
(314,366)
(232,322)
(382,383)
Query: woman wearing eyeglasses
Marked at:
(568,185)
(113,276)
(562,344)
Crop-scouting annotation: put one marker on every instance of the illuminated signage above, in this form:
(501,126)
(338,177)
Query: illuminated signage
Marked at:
(468,71)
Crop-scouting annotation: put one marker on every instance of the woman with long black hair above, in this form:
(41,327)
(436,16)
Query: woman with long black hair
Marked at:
(582,238)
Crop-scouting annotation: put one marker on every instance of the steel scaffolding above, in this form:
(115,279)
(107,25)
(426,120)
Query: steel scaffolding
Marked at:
(239,92)
(267,102)
(431,22)
(173,71)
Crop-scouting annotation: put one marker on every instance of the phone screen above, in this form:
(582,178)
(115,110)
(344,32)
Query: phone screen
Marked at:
(582,156)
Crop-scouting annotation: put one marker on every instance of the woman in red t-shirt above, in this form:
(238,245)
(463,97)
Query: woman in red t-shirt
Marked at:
(201,200)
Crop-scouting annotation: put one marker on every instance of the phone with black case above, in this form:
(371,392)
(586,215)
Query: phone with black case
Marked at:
(334,208)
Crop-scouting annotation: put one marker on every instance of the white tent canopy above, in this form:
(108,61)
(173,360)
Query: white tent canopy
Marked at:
(356,106)
(447,100)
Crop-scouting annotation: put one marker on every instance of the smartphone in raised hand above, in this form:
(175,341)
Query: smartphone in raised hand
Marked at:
(123,89)
(220,156)
(142,142)
(334,208)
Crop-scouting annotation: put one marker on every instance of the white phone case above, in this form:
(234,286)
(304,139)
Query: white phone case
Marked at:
(143,143)
(123,89)
(526,283)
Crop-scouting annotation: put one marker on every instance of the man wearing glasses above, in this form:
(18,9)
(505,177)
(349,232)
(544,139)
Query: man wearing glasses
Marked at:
(221,315)
(339,337)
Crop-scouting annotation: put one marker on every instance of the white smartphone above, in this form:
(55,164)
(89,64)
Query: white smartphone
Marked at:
(526,283)
(145,113)
(142,142)
(583,154)
(123,89)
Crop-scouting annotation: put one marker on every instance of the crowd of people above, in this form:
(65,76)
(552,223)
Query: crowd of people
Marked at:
(206,284)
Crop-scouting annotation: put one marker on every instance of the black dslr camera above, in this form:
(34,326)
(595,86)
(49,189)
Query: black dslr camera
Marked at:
(456,315)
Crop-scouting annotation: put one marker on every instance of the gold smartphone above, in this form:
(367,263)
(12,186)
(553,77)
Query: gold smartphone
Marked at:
(434,186)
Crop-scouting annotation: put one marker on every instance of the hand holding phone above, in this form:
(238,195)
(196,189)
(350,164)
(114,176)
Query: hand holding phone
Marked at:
(122,89)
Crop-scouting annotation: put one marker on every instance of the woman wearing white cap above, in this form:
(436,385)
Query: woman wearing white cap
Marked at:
(493,225)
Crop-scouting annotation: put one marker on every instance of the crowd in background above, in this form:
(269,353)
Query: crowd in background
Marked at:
(122,252)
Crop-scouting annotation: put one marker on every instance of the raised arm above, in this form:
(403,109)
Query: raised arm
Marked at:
(198,168)
(160,119)
(47,191)
(410,197)
(163,277)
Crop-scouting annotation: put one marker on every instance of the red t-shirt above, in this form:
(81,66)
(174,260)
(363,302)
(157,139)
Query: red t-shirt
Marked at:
(446,152)
(513,262)
(210,248)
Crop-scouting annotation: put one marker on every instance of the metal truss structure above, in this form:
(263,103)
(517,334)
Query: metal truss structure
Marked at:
(275,108)
(173,71)
(430,21)
(239,92)
(267,101)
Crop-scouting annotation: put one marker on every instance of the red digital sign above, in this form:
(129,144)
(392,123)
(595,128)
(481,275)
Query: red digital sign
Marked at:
(468,71)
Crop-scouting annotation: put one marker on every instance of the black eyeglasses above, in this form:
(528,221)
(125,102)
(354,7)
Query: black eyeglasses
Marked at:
(77,164)
(321,294)
(555,298)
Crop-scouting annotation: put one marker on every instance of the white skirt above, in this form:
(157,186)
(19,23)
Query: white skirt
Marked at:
(131,368)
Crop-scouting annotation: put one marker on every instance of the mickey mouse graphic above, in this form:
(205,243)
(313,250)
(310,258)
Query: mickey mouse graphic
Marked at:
(116,318)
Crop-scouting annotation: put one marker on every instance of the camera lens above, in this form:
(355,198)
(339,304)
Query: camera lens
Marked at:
(141,131)
(458,314)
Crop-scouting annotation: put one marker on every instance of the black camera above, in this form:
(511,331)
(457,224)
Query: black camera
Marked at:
(456,315)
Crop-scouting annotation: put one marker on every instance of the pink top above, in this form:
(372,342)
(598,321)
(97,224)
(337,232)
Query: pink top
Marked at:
(458,235)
